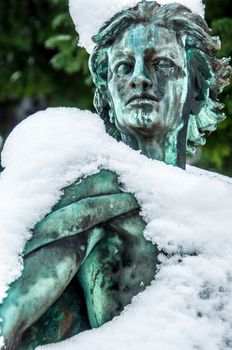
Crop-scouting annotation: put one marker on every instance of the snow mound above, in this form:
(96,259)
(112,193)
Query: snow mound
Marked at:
(88,15)
(188,215)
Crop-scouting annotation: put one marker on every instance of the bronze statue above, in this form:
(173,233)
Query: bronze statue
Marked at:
(157,82)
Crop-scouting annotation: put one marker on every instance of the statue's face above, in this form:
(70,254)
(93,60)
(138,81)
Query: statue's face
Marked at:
(147,80)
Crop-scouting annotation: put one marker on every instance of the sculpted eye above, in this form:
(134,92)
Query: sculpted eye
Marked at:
(164,63)
(123,68)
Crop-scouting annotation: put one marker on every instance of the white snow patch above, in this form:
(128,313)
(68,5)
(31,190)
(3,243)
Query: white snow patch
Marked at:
(89,16)
(189,216)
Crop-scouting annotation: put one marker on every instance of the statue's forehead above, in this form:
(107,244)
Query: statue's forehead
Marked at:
(142,37)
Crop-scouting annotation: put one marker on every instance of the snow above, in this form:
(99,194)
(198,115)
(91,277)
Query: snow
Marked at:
(89,16)
(188,215)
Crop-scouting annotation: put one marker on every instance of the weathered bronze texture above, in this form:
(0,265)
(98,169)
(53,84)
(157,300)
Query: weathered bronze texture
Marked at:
(157,81)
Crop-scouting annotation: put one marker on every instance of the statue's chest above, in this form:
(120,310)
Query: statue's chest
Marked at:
(118,268)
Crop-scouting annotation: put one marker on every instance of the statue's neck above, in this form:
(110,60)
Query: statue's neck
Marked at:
(163,146)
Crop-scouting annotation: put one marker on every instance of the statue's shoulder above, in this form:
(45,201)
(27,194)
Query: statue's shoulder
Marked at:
(55,146)
(57,132)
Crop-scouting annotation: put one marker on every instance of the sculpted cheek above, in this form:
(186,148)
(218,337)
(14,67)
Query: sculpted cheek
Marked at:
(119,89)
(162,83)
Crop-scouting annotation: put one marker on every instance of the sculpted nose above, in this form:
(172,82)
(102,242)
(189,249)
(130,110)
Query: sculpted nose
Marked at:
(140,79)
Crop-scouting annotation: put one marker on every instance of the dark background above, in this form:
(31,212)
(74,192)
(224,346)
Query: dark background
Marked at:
(41,65)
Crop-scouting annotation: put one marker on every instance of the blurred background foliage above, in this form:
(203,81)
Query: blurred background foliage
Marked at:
(41,65)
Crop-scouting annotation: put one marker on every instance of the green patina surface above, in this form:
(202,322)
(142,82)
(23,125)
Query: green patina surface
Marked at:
(157,82)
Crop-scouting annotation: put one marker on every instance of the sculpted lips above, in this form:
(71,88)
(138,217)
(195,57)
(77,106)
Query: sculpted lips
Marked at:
(141,97)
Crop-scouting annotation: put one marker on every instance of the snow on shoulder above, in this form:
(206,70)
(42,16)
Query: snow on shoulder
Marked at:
(188,215)
(89,16)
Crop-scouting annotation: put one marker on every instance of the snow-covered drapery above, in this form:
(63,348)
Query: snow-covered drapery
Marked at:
(188,214)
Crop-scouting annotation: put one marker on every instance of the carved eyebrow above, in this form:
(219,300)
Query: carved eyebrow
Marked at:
(121,54)
(163,51)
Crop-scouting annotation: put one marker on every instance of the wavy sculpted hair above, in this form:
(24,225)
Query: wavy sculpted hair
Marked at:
(212,74)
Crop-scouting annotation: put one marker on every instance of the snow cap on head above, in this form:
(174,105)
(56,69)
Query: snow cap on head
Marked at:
(89,15)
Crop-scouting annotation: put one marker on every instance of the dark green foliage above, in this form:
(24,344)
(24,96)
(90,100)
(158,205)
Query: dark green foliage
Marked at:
(217,153)
(39,56)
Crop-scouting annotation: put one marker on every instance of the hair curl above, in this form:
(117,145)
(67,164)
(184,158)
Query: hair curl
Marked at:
(212,73)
